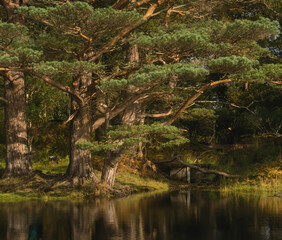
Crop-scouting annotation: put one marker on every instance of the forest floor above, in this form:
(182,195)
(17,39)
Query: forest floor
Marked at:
(48,183)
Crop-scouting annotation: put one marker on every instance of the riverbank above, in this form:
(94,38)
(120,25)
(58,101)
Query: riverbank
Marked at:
(47,183)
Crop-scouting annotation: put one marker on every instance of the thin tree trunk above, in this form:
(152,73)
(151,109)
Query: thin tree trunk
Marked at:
(132,115)
(111,162)
(80,167)
(113,157)
(17,163)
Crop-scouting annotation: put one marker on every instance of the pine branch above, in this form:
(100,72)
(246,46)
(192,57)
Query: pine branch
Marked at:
(194,97)
(127,30)
(76,96)
(92,87)
(127,102)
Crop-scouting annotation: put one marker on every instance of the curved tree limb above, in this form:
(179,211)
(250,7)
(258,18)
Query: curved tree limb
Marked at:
(76,96)
(193,98)
(127,30)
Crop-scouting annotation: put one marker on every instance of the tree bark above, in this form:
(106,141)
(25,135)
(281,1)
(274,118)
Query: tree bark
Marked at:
(130,115)
(17,163)
(111,162)
(80,167)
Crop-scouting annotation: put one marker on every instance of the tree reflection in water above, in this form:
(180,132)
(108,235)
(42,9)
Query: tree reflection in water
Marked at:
(194,215)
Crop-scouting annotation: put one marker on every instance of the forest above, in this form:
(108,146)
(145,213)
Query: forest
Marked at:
(90,89)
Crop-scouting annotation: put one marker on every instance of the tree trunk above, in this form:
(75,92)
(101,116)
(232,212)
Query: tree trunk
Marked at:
(80,167)
(17,163)
(111,162)
(129,118)
(132,114)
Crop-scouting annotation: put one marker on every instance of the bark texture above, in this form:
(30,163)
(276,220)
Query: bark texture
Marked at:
(112,160)
(80,167)
(132,115)
(17,163)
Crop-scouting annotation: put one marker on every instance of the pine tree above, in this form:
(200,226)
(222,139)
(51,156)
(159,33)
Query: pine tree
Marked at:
(17,163)
(83,55)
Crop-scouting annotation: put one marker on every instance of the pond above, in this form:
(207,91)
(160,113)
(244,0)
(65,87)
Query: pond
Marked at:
(186,215)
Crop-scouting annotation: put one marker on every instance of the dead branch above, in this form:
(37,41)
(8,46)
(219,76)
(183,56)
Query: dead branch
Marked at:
(3,99)
(205,171)
(156,115)
(71,117)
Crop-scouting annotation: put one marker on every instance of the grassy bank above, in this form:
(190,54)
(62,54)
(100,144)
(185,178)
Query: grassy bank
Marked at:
(263,178)
(48,184)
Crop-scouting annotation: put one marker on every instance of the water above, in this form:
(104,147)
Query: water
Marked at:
(187,215)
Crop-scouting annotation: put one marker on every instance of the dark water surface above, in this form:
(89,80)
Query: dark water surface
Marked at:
(188,215)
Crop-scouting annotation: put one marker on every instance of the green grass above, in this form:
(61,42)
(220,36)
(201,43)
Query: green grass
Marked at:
(48,167)
(137,182)
(254,186)
(23,196)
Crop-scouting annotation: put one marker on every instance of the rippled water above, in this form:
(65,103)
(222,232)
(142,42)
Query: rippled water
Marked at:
(187,215)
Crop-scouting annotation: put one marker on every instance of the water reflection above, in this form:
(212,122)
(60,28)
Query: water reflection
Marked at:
(188,215)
